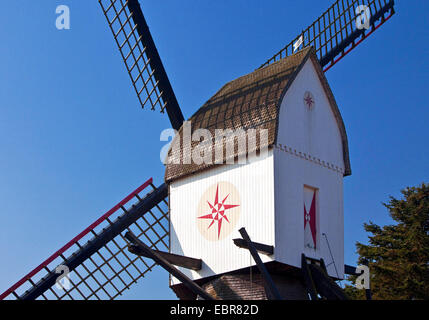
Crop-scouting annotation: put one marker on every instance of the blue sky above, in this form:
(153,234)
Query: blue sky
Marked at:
(74,141)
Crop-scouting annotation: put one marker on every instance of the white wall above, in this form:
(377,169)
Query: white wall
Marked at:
(309,152)
(271,192)
(255,183)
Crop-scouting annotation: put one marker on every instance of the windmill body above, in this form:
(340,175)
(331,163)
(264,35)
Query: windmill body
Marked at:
(252,215)
(286,197)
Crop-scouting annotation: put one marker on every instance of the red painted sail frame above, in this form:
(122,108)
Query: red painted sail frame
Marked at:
(72,242)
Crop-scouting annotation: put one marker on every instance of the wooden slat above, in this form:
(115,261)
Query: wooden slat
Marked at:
(174,259)
(168,267)
(270,287)
(260,247)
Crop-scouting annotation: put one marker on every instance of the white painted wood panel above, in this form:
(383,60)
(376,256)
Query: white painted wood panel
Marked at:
(309,154)
(255,184)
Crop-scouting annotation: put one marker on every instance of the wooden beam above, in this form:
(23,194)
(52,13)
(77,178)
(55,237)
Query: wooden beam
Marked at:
(350,270)
(318,280)
(306,273)
(327,287)
(270,287)
(368,293)
(260,247)
(174,259)
(169,267)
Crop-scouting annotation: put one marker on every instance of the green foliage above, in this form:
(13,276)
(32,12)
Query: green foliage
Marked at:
(398,255)
(353,293)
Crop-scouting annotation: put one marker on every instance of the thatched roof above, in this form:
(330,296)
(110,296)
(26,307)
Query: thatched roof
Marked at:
(250,102)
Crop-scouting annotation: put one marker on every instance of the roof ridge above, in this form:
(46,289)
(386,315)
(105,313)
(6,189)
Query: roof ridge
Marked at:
(309,49)
(251,102)
(306,50)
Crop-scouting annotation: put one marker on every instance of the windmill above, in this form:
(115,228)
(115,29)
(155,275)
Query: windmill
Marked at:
(129,240)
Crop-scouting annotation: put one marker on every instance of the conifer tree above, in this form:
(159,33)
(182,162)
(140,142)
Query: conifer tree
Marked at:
(398,255)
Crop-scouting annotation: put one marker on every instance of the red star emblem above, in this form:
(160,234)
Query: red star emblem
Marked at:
(308,99)
(218,211)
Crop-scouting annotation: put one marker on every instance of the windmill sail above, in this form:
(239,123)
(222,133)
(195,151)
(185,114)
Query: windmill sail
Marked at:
(141,58)
(339,30)
(98,265)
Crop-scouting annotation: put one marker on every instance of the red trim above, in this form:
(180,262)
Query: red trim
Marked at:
(357,43)
(75,239)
